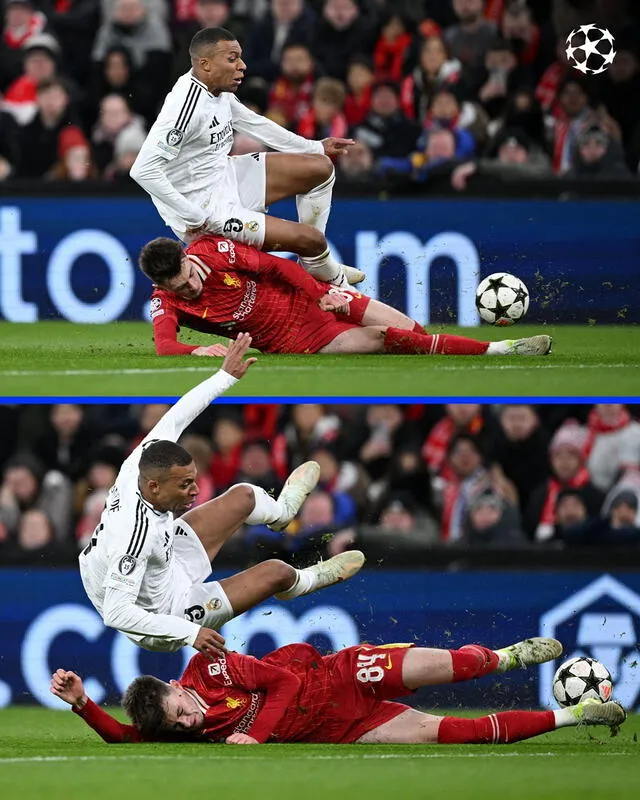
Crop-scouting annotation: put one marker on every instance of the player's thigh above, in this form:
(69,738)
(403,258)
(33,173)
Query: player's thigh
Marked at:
(217,520)
(206,604)
(239,223)
(410,727)
(250,173)
(289,174)
(378,313)
(357,340)
(426,666)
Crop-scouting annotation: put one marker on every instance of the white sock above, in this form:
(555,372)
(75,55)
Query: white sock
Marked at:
(315,206)
(498,348)
(564,718)
(266,510)
(325,268)
(304,583)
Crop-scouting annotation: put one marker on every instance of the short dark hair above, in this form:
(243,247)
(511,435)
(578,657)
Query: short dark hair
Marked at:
(161,259)
(163,455)
(209,37)
(144,703)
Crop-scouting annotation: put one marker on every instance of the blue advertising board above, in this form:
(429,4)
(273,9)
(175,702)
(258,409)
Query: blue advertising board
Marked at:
(75,259)
(47,622)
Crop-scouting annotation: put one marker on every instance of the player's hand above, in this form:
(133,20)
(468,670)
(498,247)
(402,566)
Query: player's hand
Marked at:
(212,350)
(336,147)
(234,362)
(68,687)
(241,738)
(333,301)
(198,230)
(211,643)
(461,175)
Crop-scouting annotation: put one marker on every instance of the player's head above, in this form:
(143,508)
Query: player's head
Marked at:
(216,59)
(168,477)
(163,261)
(158,708)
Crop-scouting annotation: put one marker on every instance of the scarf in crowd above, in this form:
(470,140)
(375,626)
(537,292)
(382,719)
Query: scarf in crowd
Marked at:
(597,427)
(434,450)
(554,487)
(388,57)
(15,39)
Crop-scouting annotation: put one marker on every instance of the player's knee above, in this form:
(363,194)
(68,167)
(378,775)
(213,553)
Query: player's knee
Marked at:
(322,169)
(474,660)
(244,496)
(281,575)
(310,241)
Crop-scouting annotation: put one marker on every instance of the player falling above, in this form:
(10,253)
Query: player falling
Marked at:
(217,286)
(296,695)
(197,187)
(145,565)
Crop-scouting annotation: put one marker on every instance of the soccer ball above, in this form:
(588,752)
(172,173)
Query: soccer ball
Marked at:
(502,299)
(581,678)
(590,49)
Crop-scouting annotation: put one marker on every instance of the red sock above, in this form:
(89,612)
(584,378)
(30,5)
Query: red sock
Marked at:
(413,343)
(502,728)
(472,661)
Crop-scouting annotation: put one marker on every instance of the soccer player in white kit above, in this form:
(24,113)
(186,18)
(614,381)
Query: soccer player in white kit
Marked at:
(145,565)
(197,187)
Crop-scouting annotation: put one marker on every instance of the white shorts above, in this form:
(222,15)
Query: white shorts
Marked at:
(204,603)
(240,217)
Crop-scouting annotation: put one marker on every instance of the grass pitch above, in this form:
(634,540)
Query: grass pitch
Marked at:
(57,359)
(53,755)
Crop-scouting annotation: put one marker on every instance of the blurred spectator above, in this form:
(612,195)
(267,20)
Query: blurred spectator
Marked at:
(613,445)
(470,38)
(492,522)
(127,145)
(356,165)
(435,69)
(387,432)
(466,120)
(90,517)
(116,74)
(256,467)
(340,478)
(73,21)
(622,89)
(40,139)
(22,20)
(67,442)
(522,112)
(9,145)
(146,36)
(386,130)
(341,33)
(28,487)
(227,436)
(40,64)
(503,75)
(439,156)
(597,156)
(520,447)
(618,528)
(360,79)
(524,37)
(201,452)
(325,117)
(547,89)
(567,460)
(287,21)
(75,161)
(115,118)
(409,476)
(570,510)
(392,47)
(292,92)
(149,416)
(458,418)
(574,112)
(101,472)
(308,428)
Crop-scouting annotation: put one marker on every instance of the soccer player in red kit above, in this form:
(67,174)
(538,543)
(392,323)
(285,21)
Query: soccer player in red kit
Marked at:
(218,285)
(296,695)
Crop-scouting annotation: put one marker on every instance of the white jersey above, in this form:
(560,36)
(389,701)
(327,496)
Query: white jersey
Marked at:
(127,566)
(184,163)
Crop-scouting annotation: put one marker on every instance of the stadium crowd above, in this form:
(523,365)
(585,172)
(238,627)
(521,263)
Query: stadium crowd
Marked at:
(430,89)
(505,476)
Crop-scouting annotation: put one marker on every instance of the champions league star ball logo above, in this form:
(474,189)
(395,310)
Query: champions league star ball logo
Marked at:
(590,49)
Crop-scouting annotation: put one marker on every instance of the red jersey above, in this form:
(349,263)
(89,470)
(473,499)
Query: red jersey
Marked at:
(291,695)
(247,290)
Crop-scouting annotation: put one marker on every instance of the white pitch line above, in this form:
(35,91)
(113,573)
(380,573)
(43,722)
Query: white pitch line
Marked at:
(26,373)
(311,757)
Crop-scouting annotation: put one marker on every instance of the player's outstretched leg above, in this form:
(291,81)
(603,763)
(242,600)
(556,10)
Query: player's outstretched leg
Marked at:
(405,342)
(528,653)
(302,481)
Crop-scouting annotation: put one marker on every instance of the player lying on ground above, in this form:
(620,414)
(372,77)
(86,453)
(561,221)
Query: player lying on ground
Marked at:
(296,695)
(197,187)
(217,285)
(145,565)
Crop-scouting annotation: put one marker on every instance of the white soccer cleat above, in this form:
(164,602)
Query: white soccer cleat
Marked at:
(302,481)
(532,346)
(594,712)
(335,570)
(353,275)
(537,650)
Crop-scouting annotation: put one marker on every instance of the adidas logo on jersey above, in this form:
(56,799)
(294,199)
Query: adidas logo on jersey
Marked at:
(214,123)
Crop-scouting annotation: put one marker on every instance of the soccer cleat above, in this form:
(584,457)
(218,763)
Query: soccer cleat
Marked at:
(335,570)
(536,650)
(532,346)
(353,275)
(594,712)
(299,485)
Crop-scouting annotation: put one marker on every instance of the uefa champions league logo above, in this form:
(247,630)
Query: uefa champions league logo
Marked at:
(590,49)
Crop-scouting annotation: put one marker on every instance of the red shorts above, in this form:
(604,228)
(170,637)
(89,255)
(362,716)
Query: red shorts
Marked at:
(312,329)
(366,678)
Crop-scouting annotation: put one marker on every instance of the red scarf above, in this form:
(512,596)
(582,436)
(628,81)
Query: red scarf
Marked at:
(356,108)
(434,450)
(308,129)
(554,487)
(16,39)
(597,426)
(294,101)
(388,57)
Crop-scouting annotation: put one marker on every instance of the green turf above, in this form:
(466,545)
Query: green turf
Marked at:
(66,359)
(51,755)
